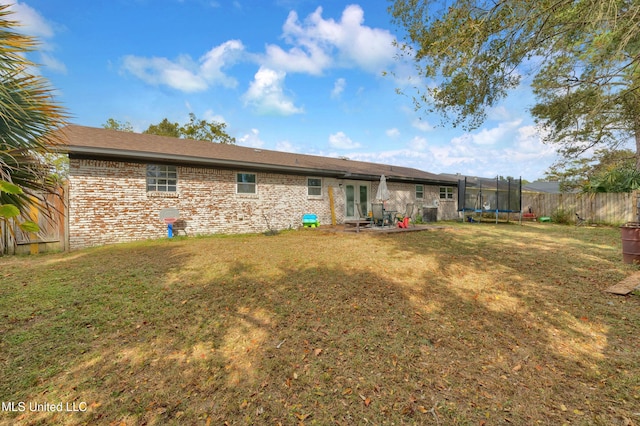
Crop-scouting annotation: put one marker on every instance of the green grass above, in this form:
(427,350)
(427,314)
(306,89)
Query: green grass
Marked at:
(477,323)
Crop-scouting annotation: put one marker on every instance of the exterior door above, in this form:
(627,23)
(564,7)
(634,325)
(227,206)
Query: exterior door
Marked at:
(356,193)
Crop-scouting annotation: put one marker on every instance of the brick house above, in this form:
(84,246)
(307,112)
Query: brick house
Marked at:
(120,181)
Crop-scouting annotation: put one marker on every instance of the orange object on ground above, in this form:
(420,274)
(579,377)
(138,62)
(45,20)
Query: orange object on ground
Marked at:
(404,223)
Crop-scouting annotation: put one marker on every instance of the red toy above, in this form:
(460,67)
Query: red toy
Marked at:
(404,223)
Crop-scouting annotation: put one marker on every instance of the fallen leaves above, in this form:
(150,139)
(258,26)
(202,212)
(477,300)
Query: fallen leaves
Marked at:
(302,417)
(422,355)
(366,400)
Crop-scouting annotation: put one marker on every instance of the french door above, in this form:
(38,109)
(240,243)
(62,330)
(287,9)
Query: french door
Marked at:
(356,193)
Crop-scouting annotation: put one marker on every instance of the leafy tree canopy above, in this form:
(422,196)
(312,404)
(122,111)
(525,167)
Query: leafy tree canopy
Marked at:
(606,171)
(195,129)
(206,131)
(29,119)
(113,124)
(164,128)
(583,55)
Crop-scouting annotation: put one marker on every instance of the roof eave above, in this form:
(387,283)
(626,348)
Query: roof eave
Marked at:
(107,153)
(145,156)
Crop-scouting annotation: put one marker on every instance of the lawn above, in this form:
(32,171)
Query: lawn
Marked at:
(475,324)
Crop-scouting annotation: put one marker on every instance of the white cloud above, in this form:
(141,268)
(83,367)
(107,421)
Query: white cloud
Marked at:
(316,41)
(34,24)
(418,143)
(492,136)
(267,96)
(528,147)
(31,22)
(421,125)
(311,60)
(372,49)
(393,133)
(251,139)
(338,88)
(210,116)
(52,63)
(509,149)
(341,141)
(499,113)
(219,57)
(286,146)
(184,73)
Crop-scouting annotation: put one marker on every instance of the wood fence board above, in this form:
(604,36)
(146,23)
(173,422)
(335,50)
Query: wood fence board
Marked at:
(614,208)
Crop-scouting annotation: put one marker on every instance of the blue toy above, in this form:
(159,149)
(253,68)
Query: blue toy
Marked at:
(310,221)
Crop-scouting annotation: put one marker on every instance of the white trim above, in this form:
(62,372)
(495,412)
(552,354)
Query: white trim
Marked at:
(255,184)
(315,196)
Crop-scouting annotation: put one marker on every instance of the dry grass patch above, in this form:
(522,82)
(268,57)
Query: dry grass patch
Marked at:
(479,323)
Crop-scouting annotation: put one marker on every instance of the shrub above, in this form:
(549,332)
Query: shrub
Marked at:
(561,216)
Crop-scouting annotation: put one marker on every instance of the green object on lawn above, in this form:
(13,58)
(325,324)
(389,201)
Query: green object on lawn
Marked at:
(545,219)
(310,221)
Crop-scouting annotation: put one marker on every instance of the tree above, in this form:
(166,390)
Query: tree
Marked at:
(29,119)
(195,129)
(164,128)
(616,180)
(113,124)
(206,131)
(583,56)
(606,171)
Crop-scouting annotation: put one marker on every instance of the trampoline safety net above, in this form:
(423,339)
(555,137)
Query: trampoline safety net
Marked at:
(497,195)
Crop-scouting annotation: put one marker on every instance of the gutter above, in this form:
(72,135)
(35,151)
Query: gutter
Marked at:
(111,154)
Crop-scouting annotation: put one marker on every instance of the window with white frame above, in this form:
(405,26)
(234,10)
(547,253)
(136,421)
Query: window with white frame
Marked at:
(419,192)
(162,178)
(314,187)
(446,193)
(246,183)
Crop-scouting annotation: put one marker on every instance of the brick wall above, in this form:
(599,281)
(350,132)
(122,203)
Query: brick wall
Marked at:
(109,203)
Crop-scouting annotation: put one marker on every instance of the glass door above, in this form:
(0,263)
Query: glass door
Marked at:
(356,193)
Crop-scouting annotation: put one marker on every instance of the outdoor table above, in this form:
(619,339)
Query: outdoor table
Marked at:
(390,215)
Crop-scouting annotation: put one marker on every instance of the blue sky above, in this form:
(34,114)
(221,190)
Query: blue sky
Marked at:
(293,75)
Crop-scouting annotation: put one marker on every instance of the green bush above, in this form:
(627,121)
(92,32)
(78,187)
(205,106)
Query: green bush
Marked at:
(561,216)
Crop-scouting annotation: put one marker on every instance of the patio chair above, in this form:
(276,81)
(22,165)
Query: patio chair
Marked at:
(404,220)
(360,215)
(377,210)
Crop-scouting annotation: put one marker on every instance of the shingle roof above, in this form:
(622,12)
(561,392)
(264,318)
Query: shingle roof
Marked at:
(541,186)
(91,142)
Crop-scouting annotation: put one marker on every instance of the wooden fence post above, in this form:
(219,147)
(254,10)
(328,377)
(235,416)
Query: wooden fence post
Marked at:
(33,236)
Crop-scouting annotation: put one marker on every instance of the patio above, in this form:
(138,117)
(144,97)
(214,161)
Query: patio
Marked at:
(381,230)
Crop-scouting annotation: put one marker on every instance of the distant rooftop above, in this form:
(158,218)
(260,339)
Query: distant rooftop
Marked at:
(542,186)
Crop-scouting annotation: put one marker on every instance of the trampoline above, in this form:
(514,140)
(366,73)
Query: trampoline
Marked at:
(482,195)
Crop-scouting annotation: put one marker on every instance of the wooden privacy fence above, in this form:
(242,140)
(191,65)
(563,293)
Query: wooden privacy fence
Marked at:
(50,217)
(611,208)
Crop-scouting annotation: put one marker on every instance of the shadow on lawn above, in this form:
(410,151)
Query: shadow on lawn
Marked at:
(544,291)
(429,329)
